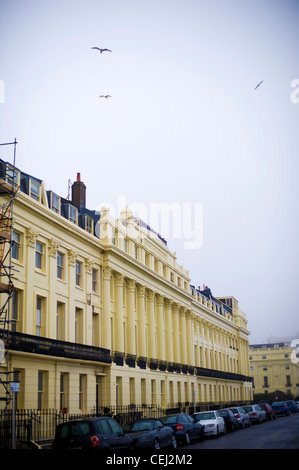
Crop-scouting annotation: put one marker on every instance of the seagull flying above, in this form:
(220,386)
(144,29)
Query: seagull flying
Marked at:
(101,50)
(259,84)
(105,96)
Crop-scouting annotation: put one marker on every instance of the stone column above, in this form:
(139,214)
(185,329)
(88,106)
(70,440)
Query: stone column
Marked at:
(119,331)
(131,339)
(176,334)
(169,330)
(52,302)
(183,338)
(151,325)
(160,324)
(30,309)
(202,349)
(141,321)
(70,329)
(189,339)
(106,312)
(88,290)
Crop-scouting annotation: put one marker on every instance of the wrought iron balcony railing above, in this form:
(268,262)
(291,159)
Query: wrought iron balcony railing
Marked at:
(51,347)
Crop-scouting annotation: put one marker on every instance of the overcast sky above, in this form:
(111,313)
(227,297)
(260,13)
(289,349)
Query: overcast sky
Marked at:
(184,127)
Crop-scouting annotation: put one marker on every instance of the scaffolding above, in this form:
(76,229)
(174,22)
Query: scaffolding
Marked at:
(8,191)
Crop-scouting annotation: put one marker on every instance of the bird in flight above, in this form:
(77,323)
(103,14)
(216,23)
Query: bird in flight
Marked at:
(101,50)
(105,96)
(259,84)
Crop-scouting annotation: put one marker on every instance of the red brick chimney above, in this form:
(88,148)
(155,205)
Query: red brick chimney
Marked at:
(78,193)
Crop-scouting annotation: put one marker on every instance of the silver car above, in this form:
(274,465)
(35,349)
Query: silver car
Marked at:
(242,416)
(256,414)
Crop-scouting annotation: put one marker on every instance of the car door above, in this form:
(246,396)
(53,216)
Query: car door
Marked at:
(163,433)
(220,422)
(193,428)
(120,439)
(107,435)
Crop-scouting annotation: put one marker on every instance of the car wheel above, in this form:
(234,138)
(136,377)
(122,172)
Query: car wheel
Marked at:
(174,442)
(224,430)
(156,444)
(187,438)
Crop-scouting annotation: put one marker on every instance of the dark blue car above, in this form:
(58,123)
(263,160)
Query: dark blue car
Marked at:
(150,432)
(184,426)
(292,405)
(281,408)
(96,433)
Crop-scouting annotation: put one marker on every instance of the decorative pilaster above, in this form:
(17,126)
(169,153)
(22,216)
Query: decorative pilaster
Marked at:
(119,331)
(160,331)
(141,322)
(131,339)
(106,317)
(169,330)
(151,325)
(176,334)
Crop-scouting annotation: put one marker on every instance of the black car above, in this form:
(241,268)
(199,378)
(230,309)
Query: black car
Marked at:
(150,433)
(184,426)
(95,433)
(231,421)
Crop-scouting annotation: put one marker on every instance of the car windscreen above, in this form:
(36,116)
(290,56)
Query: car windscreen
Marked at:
(247,408)
(203,416)
(139,426)
(78,429)
(168,419)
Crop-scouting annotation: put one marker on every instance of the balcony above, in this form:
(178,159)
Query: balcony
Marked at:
(51,347)
(219,374)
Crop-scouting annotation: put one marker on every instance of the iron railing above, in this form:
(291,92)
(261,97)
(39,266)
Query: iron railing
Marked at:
(33,427)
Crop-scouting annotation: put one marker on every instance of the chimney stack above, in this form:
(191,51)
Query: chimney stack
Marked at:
(78,193)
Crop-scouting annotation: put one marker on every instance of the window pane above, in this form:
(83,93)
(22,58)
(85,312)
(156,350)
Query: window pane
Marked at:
(38,315)
(60,265)
(38,255)
(34,190)
(78,273)
(15,251)
(55,206)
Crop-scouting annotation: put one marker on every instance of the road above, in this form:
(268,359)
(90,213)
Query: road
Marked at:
(281,433)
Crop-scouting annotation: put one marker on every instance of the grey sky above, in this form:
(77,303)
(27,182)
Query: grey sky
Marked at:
(184,125)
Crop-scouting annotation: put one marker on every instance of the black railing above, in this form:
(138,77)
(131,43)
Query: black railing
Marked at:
(35,427)
(52,347)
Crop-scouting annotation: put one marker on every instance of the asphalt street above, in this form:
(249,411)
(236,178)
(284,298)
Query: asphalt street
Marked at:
(281,433)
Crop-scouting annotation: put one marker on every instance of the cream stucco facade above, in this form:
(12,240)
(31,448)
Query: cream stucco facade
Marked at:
(104,315)
(274,367)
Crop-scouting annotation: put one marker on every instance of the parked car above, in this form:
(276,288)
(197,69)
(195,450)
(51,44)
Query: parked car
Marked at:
(231,422)
(184,426)
(270,413)
(297,404)
(292,405)
(213,423)
(150,433)
(281,408)
(95,433)
(242,416)
(256,414)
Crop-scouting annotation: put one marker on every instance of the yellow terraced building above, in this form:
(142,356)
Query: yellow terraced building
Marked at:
(274,368)
(102,313)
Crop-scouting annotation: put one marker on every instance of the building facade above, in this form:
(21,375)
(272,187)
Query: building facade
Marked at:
(274,368)
(102,314)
